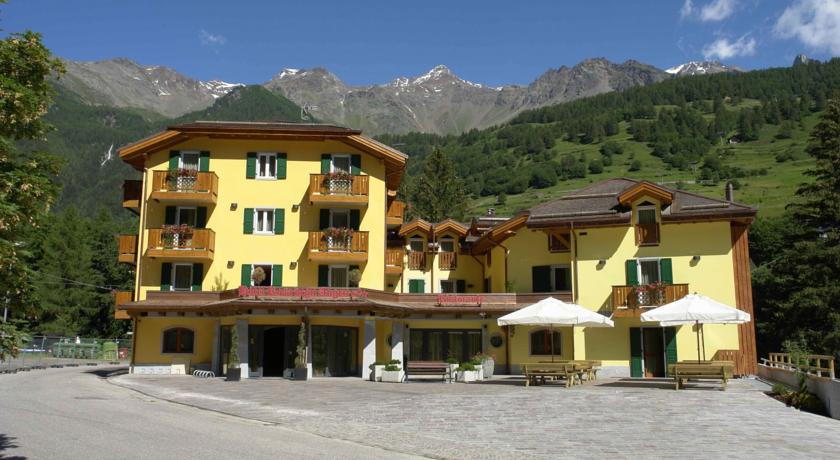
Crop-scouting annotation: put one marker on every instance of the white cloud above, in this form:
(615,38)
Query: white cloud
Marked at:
(207,38)
(718,10)
(722,48)
(687,9)
(816,23)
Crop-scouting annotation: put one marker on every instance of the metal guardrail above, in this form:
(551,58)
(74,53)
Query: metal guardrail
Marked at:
(43,352)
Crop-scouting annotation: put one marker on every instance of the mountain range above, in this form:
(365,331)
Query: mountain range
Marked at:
(436,102)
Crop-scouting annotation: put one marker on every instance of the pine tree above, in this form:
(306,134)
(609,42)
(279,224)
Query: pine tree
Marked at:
(438,193)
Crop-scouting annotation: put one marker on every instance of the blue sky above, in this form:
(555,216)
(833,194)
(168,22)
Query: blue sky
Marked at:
(491,42)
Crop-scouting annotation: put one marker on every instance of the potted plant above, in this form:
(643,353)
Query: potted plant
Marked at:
(453,366)
(338,238)
(301,366)
(257,276)
(467,373)
(376,371)
(393,373)
(488,364)
(354,276)
(234,373)
(181,179)
(476,362)
(338,182)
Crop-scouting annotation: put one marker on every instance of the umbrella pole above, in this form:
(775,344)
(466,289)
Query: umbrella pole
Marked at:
(697,331)
(703,337)
(551,334)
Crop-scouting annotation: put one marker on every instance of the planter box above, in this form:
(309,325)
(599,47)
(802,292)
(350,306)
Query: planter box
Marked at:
(488,366)
(452,372)
(393,376)
(468,376)
(376,373)
(234,374)
(302,373)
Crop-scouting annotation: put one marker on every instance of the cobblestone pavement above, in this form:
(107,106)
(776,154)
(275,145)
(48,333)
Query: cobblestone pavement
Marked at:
(501,418)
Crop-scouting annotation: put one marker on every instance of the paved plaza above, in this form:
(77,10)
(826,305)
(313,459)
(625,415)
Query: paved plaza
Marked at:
(502,419)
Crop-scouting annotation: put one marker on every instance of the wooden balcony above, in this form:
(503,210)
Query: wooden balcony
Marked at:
(352,191)
(447,260)
(127,249)
(396,213)
(197,244)
(132,189)
(647,234)
(328,249)
(631,301)
(394,261)
(416,260)
(201,189)
(121,298)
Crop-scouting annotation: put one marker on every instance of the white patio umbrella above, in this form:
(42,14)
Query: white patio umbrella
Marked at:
(698,310)
(551,312)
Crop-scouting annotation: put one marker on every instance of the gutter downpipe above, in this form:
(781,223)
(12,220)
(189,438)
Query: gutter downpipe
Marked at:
(144,213)
(507,328)
(574,265)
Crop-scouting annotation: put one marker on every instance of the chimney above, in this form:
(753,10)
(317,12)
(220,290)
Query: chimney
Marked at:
(491,212)
(730,192)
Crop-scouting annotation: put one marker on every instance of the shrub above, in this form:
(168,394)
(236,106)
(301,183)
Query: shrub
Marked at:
(469,366)
(376,363)
(395,361)
(393,368)
(779,389)
(636,165)
(596,166)
(451,360)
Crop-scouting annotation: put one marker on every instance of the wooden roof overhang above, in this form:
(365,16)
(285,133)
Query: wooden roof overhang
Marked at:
(416,225)
(450,225)
(499,234)
(646,188)
(136,153)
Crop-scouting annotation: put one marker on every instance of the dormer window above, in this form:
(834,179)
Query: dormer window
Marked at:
(417,253)
(647,227)
(447,258)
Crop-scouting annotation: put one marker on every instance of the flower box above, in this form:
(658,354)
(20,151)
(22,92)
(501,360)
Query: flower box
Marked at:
(468,376)
(376,372)
(393,376)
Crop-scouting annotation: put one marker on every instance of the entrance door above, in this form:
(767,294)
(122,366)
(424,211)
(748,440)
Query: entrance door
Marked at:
(654,352)
(274,353)
(334,351)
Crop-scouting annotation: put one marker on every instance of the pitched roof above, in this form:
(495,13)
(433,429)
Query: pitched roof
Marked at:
(601,203)
(394,159)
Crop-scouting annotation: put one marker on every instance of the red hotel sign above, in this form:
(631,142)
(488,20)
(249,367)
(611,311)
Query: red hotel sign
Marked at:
(459,299)
(302,293)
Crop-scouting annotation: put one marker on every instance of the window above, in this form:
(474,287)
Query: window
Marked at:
(340,163)
(178,340)
(447,244)
(182,277)
(646,214)
(186,215)
(340,218)
(339,276)
(559,243)
(541,341)
(266,166)
(264,221)
(647,229)
(416,244)
(551,278)
(649,272)
(448,286)
(266,268)
(440,344)
(189,160)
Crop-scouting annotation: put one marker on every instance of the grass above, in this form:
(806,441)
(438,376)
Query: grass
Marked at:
(770,193)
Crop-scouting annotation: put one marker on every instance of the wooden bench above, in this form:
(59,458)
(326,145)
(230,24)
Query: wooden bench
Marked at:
(440,368)
(712,370)
(539,372)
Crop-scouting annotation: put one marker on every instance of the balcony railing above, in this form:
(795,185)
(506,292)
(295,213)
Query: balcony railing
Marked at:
(202,187)
(647,234)
(447,260)
(132,189)
(635,297)
(339,189)
(121,298)
(327,246)
(394,260)
(193,243)
(416,260)
(396,212)
(127,249)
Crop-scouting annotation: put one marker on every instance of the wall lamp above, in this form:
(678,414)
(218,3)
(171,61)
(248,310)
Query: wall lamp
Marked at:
(292,265)
(295,207)
(229,264)
(695,259)
(233,206)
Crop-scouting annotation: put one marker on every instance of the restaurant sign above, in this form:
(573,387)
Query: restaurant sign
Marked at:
(459,299)
(322,293)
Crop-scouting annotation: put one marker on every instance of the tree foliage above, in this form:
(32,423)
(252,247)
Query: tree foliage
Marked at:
(438,193)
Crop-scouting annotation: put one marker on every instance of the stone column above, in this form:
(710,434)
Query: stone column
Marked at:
(369,347)
(242,331)
(397,340)
(215,363)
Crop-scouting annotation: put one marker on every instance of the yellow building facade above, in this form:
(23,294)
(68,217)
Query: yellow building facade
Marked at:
(251,231)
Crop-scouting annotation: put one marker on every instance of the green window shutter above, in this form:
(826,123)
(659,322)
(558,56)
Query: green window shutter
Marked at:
(276,275)
(204,161)
(279,221)
(246,275)
(326,161)
(635,352)
(169,216)
(281,166)
(248,222)
(165,276)
(174,158)
(355,164)
(355,219)
(201,217)
(670,347)
(631,272)
(665,273)
(460,286)
(541,278)
(251,165)
(416,286)
(324,219)
(197,275)
(323,275)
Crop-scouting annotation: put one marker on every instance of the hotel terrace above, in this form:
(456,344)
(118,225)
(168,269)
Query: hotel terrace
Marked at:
(264,228)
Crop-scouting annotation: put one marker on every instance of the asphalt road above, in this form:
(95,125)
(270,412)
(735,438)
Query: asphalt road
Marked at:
(73,413)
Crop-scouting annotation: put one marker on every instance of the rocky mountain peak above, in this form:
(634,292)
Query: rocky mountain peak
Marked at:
(800,59)
(701,68)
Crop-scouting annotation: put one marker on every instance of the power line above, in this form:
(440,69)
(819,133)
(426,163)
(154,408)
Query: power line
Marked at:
(72,281)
